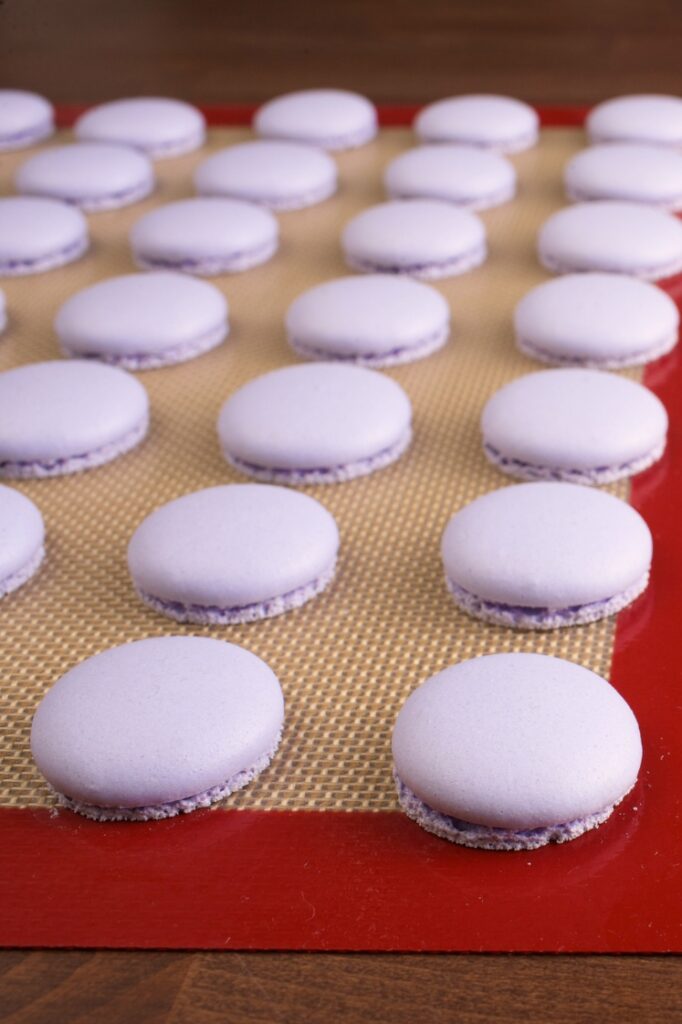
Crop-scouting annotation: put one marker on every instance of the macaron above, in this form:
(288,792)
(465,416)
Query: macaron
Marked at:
(613,236)
(605,321)
(582,426)
(38,234)
(514,751)
(3,311)
(204,236)
(469,176)
(157,727)
(424,238)
(143,321)
(545,555)
(376,320)
(329,118)
(319,423)
(237,553)
(630,171)
(63,417)
(278,175)
(651,118)
(494,122)
(22,539)
(93,176)
(160,127)
(25,119)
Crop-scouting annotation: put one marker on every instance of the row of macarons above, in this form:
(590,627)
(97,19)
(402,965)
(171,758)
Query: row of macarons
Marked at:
(545,750)
(336,119)
(282,175)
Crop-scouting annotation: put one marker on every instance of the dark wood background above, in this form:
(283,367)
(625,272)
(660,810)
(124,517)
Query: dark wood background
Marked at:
(223,51)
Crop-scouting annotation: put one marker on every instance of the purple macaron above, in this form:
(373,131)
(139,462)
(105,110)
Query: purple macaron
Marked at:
(158,126)
(546,555)
(158,727)
(63,417)
(231,554)
(204,236)
(424,238)
(39,234)
(92,176)
(514,751)
(25,119)
(22,537)
(315,424)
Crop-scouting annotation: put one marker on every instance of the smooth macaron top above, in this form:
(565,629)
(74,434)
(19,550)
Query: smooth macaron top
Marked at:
(546,545)
(372,315)
(203,228)
(65,409)
(596,318)
(157,125)
(574,419)
(87,174)
(21,532)
(517,741)
(412,234)
(631,171)
(25,118)
(280,175)
(233,546)
(496,122)
(639,118)
(155,721)
(466,175)
(330,118)
(612,235)
(35,228)
(314,416)
(140,314)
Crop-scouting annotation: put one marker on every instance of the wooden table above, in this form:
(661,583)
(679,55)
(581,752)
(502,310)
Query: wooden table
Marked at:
(79,51)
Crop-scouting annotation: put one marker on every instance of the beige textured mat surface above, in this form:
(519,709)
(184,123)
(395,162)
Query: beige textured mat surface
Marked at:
(349,658)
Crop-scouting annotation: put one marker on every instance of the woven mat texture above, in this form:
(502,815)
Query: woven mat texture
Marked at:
(349,658)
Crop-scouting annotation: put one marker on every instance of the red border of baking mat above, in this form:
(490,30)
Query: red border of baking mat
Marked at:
(313,880)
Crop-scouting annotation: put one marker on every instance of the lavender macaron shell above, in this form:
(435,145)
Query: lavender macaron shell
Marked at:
(157,727)
(158,126)
(25,119)
(334,422)
(546,555)
(514,751)
(278,175)
(89,414)
(143,321)
(579,425)
(596,320)
(424,238)
(628,171)
(39,234)
(204,236)
(612,236)
(22,536)
(374,320)
(92,176)
(650,118)
(334,119)
(468,176)
(495,122)
(236,553)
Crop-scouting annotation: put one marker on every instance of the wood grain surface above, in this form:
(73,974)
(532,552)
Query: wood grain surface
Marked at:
(84,51)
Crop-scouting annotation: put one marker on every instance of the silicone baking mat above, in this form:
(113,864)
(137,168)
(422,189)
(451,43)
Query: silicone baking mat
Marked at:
(313,855)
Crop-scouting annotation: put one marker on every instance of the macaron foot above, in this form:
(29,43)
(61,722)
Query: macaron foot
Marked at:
(331,475)
(70,253)
(173,807)
(76,463)
(599,475)
(210,267)
(153,361)
(483,837)
(424,271)
(396,357)
(633,359)
(21,576)
(516,617)
(213,616)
